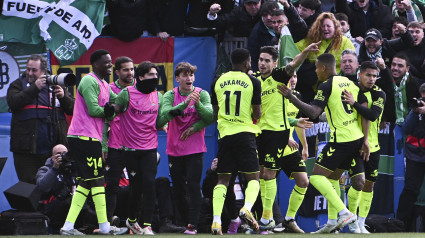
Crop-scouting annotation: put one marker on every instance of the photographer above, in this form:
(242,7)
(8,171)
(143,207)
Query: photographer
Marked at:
(414,127)
(56,181)
(36,125)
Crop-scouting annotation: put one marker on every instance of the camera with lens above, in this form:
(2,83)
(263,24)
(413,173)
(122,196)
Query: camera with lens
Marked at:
(66,165)
(63,79)
(416,102)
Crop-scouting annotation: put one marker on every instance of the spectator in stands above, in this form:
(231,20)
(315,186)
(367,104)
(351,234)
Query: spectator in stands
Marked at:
(167,18)
(279,20)
(395,33)
(129,19)
(345,28)
(56,181)
(196,23)
(416,53)
(366,14)
(327,30)
(262,34)
(405,88)
(188,111)
(349,64)
(309,10)
(408,10)
(297,26)
(33,133)
(242,18)
(414,127)
(375,46)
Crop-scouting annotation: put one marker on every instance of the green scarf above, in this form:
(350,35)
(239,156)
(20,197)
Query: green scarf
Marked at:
(400,99)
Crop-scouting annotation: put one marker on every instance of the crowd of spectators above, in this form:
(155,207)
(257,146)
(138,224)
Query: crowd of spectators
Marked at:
(389,34)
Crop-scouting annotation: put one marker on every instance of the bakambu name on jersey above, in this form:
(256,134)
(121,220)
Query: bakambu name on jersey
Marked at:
(234,82)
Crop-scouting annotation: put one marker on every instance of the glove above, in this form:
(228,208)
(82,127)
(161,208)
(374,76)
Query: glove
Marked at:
(176,112)
(109,110)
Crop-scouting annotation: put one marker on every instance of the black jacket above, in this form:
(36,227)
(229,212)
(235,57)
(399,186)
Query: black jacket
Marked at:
(414,127)
(29,126)
(416,56)
(54,182)
(379,16)
(167,16)
(389,48)
(129,18)
(239,19)
(258,38)
(297,26)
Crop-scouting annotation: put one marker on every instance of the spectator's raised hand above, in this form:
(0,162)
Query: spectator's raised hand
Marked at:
(401,28)
(284,3)
(163,35)
(359,39)
(407,4)
(214,9)
(380,63)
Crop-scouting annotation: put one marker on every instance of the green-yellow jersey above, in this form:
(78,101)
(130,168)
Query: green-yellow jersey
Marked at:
(375,101)
(342,118)
(273,106)
(234,93)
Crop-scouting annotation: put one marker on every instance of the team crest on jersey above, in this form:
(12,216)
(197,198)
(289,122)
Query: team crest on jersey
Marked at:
(379,102)
(319,96)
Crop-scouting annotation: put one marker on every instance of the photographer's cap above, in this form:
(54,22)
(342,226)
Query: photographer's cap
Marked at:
(374,34)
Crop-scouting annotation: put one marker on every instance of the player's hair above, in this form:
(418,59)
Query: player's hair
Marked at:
(43,61)
(239,56)
(95,56)
(185,67)
(327,59)
(368,65)
(144,68)
(271,51)
(121,60)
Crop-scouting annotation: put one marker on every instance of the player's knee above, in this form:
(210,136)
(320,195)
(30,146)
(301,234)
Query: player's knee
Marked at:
(302,183)
(358,182)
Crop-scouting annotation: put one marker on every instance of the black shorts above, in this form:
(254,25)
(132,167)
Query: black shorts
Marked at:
(87,157)
(271,146)
(292,163)
(237,153)
(340,155)
(370,167)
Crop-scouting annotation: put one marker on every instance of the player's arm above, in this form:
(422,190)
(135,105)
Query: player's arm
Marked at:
(303,140)
(205,111)
(214,101)
(299,59)
(319,103)
(372,113)
(122,101)
(256,98)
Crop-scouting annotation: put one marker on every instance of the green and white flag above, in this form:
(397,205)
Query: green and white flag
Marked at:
(68,27)
(287,48)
